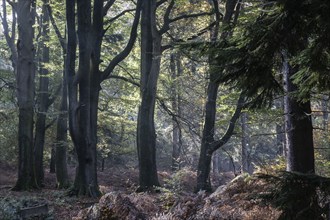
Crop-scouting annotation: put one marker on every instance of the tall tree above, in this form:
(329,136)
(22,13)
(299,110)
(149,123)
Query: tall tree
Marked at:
(84,86)
(151,52)
(43,98)
(58,162)
(209,145)
(176,69)
(25,93)
(150,64)
(299,128)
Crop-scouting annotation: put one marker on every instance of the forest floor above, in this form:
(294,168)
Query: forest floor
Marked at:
(60,205)
(176,199)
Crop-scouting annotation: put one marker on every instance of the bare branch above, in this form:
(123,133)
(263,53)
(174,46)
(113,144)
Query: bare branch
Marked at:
(186,16)
(159,3)
(124,79)
(57,31)
(167,20)
(116,17)
(232,122)
(9,39)
(107,7)
(124,53)
(201,32)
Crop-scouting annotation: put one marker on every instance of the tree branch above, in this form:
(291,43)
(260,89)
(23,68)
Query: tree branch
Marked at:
(232,122)
(116,17)
(57,31)
(186,16)
(124,79)
(125,52)
(159,3)
(201,32)
(107,6)
(167,20)
(9,39)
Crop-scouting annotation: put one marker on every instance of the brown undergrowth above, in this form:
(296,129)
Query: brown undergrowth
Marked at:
(235,200)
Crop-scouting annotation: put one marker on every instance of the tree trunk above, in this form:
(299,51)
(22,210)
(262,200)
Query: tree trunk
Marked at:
(299,130)
(150,66)
(204,164)
(245,166)
(176,133)
(324,104)
(83,129)
(206,151)
(62,139)
(43,100)
(280,134)
(52,164)
(25,95)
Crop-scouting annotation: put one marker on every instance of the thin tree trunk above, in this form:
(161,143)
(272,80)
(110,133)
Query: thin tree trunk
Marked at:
(244,153)
(206,151)
(280,130)
(176,133)
(62,139)
(52,164)
(25,95)
(204,164)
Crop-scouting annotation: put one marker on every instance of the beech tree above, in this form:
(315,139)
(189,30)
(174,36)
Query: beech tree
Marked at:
(43,100)
(152,34)
(84,86)
(25,93)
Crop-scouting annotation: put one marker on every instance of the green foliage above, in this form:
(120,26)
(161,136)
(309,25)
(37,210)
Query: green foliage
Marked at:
(272,166)
(322,164)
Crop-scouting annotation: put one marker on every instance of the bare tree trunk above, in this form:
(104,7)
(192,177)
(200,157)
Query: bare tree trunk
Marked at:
(150,66)
(25,95)
(52,163)
(280,130)
(245,166)
(206,151)
(43,100)
(62,139)
(299,130)
(176,133)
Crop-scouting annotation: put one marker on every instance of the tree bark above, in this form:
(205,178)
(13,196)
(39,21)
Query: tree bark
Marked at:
(176,133)
(43,100)
(245,166)
(83,108)
(204,164)
(280,130)
(150,65)
(52,163)
(61,144)
(299,130)
(25,95)
(206,151)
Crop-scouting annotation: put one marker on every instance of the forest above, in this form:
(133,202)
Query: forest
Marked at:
(165,109)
